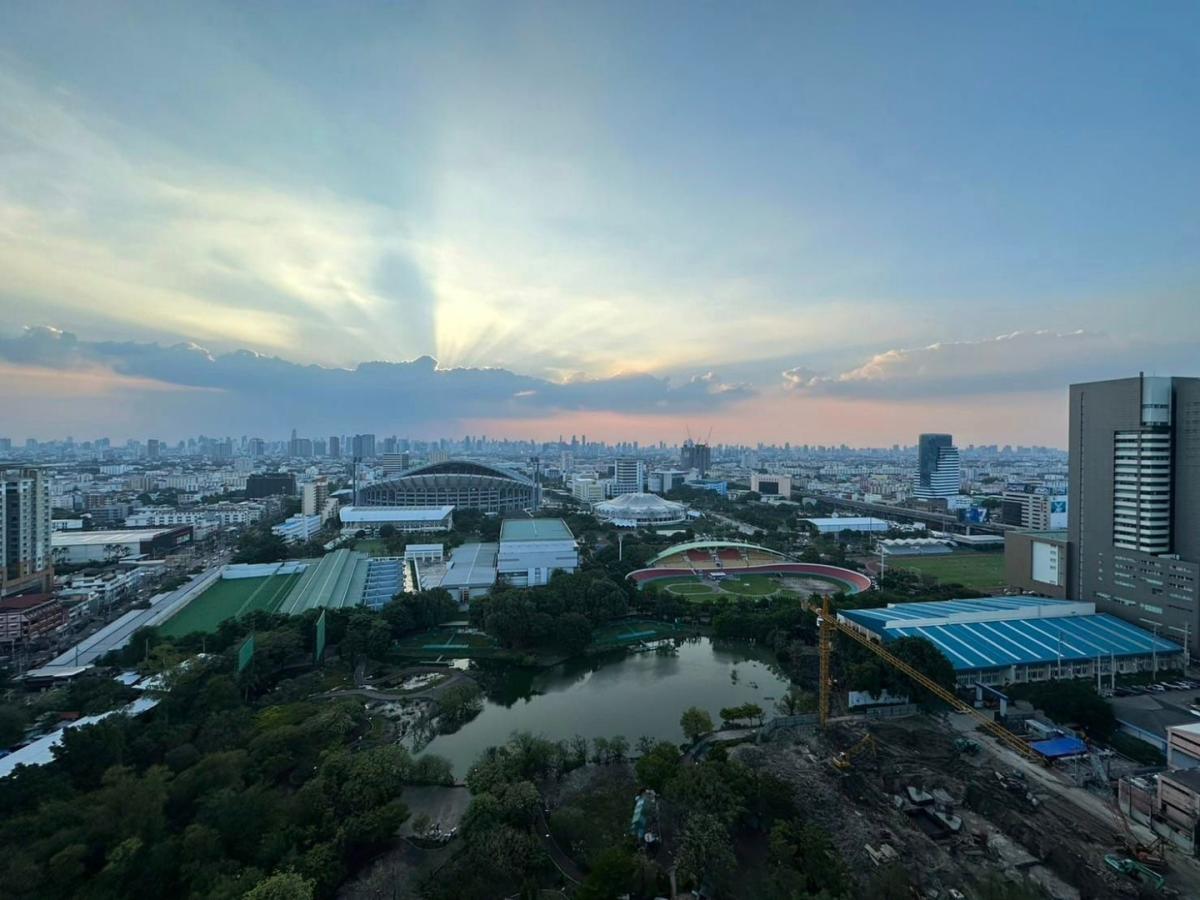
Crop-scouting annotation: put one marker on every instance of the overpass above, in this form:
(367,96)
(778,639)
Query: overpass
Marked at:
(941,521)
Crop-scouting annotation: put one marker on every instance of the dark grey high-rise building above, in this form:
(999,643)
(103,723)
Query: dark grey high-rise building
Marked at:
(939,473)
(1134,515)
(695,456)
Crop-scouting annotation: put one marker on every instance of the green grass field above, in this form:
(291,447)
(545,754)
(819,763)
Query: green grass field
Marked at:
(227,599)
(619,634)
(751,585)
(977,571)
(443,640)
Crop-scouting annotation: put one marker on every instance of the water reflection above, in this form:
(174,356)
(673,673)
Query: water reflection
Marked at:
(631,694)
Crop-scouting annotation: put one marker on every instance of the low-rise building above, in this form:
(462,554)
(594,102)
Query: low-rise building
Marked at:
(74,547)
(298,528)
(406,519)
(531,550)
(26,617)
(1006,640)
(769,486)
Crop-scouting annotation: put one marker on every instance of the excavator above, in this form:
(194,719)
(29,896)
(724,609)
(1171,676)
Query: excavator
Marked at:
(844,761)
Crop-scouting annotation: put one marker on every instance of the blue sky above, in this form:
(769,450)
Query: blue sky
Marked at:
(842,221)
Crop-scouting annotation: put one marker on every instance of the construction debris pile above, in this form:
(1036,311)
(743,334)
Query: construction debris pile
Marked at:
(952,811)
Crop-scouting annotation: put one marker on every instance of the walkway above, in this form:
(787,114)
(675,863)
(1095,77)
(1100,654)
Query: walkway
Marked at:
(561,861)
(723,736)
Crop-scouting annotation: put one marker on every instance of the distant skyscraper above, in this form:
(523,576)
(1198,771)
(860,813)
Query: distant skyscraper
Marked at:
(335,447)
(364,446)
(695,456)
(152,448)
(939,471)
(1134,486)
(25,554)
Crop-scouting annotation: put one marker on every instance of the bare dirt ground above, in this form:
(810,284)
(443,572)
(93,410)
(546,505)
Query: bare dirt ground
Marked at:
(1023,825)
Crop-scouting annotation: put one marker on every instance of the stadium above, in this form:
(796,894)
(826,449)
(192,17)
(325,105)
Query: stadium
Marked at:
(457,483)
(699,568)
(640,511)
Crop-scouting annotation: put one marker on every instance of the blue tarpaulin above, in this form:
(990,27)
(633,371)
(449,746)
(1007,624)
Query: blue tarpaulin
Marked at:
(1060,747)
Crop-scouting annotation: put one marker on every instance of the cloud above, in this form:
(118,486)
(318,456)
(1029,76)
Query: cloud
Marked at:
(1022,361)
(244,389)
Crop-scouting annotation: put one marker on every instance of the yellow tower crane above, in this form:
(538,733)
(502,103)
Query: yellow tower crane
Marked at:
(829,626)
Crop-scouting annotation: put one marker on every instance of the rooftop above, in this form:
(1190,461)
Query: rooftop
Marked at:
(997,632)
(535,530)
(124,536)
(395,513)
(471,565)
(1188,778)
(25,601)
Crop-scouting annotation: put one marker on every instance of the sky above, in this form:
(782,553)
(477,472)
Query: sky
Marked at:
(805,222)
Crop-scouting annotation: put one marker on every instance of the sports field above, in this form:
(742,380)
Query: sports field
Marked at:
(227,599)
(977,571)
(692,587)
(447,640)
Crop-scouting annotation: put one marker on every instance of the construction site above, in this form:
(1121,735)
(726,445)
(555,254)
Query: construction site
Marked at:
(957,796)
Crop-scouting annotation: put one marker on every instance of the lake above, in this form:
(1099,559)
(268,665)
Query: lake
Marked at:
(630,694)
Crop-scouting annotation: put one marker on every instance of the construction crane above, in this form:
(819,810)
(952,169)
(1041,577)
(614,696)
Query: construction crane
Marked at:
(829,625)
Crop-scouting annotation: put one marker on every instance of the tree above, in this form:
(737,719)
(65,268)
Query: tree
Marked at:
(12,725)
(618,747)
(610,876)
(387,531)
(658,765)
(283,886)
(705,851)
(796,701)
(695,722)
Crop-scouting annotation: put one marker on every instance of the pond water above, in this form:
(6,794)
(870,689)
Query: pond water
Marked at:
(631,694)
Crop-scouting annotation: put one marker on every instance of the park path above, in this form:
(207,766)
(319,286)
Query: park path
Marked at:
(561,861)
(430,693)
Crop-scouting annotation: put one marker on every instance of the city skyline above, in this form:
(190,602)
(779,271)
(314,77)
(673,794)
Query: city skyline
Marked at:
(850,226)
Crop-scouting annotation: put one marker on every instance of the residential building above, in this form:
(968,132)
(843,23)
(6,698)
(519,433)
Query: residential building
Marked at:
(26,560)
(939,470)
(1134,516)
(629,476)
(30,616)
(314,496)
(298,528)
(363,446)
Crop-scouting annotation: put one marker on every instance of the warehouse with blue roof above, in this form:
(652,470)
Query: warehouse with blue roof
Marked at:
(1007,640)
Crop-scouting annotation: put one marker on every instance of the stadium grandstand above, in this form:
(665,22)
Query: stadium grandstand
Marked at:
(714,559)
(462,484)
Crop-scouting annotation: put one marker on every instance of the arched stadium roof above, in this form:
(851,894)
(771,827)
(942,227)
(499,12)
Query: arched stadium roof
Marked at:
(713,545)
(463,467)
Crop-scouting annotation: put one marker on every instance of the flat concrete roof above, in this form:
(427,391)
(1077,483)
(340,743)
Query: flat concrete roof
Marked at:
(81,538)
(471,565)
(394,513)
(535,530)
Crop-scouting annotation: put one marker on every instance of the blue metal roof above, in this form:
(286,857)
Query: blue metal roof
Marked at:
(1059,747)
(876,618)
(994,645)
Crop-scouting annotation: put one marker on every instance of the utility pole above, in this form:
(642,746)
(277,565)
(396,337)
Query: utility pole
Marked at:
(1153,644)
(1187,640)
